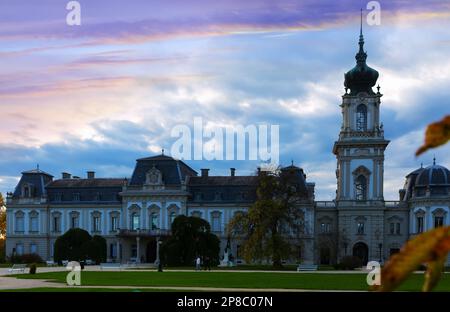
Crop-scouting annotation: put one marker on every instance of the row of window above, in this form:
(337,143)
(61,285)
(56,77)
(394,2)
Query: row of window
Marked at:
(438,221)
(20,250)
(394,228)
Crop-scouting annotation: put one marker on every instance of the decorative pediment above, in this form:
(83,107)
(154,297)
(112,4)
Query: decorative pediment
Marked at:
(153,176)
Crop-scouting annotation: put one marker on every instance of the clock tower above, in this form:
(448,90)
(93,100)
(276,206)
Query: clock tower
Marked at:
(360,156)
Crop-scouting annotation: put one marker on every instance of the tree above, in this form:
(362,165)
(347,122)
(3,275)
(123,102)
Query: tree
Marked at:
(191,237)
(273,225)
(2,218)
(78,245)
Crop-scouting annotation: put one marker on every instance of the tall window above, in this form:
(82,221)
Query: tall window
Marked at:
(438,221)
(135,222)
(360,228)
(20,223)
(96,223)
(361,188)
(155,223)
(74,223)
(33,248)
(395,228)
(173,215)
(113,251)
(26,191)
(419,221)
(361,118)
(114,223)
(325,227)
(19,249)
(216,223)
(34,223)
(56,223)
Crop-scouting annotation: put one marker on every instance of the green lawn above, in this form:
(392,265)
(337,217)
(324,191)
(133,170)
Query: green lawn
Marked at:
(233,280)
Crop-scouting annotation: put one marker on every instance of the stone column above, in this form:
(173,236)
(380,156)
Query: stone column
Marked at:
(138,255)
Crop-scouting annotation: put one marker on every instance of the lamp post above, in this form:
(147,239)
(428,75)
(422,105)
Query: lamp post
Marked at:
(158,257)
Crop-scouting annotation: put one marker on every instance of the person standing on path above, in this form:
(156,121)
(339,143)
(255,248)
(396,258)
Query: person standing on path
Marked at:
(197,263)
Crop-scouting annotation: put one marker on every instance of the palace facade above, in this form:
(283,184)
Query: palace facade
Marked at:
(134,214)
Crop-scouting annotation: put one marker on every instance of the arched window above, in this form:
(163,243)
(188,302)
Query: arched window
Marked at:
(361,188)
(361,118)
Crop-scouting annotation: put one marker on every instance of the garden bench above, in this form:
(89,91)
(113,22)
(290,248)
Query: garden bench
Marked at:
(18,268)
(50,263)
(307,267)
(109,265)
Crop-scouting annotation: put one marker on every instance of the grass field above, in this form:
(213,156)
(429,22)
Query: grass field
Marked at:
(261,281)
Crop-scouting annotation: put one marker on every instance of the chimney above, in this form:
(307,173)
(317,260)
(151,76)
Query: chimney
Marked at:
(66,175)
(205,172)
(91,174)
(232,171)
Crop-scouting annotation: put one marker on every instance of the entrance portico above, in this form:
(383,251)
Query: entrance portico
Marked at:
(141,245)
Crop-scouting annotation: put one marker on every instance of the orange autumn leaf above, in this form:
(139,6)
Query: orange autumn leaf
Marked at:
(433,273)
(437,133)
(428,247)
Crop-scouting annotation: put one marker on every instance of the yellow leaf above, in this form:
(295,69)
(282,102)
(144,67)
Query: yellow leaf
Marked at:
(433,273)
(437,133)
(426,247)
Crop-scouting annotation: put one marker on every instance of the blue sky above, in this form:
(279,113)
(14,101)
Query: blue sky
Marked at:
(100,95)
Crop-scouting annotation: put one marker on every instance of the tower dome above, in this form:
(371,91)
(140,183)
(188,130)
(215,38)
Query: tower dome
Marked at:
(361,78)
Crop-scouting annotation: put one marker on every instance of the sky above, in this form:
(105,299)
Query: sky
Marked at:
(100,95)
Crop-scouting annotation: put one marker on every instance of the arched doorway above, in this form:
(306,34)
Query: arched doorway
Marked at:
(151,251)
(361,250)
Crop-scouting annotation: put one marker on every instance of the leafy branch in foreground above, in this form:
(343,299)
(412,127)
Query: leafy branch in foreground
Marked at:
(430,248)
(437,133)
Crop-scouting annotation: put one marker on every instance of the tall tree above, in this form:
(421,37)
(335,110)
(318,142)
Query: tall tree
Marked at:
(273,225)
(2,217)
(191,238)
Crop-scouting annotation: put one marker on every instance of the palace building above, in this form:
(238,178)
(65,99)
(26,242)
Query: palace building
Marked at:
(135,213)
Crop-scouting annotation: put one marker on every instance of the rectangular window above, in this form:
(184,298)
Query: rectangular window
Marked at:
(33,248)
(96,223)
(360,230)
(397,229)
(438,221)
(19,224)
(392,228)
(113,251)
(155,221)
(114,224)
(76,196)
(19,249)
(216,224)
(135,222)
(419,224)
(34,224)
(74,222)
(325,227)
(134,251)
(56,224)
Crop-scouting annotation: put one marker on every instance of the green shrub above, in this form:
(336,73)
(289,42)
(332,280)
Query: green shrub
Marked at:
(349,263)
(26,258)
(33,268)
